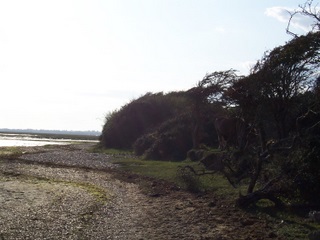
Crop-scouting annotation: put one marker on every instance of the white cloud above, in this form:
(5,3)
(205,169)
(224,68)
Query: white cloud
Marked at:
(282,14)
(302,22)
(279,13)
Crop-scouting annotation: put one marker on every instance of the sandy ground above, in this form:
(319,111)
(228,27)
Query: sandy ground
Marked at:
(64,192)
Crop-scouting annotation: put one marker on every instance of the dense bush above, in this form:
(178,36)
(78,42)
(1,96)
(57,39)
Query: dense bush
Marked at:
(303,170)
(139,117)
(171,141)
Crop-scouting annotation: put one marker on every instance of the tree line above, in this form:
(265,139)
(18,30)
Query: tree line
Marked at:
(279,99)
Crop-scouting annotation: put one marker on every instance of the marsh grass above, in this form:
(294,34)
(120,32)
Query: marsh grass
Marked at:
(10,152)
(111,151)
(173,172)
(97,192)
(157,169)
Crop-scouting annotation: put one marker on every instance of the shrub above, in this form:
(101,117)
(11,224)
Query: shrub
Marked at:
(123,127)
(189,180)
(305,171)
(170,141)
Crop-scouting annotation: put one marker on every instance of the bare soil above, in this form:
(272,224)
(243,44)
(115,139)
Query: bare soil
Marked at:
(65,192)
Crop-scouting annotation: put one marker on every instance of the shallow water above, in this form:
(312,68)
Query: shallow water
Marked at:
(30,140)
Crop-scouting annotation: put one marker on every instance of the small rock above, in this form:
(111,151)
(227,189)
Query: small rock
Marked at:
(190,209)
(179,206)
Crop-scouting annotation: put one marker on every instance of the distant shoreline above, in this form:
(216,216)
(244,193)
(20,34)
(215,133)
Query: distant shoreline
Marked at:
(94,135)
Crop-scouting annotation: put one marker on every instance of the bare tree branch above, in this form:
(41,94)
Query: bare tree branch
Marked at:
(289,23)
(307,10)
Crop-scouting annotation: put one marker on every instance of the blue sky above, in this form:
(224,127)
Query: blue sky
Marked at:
(65,64)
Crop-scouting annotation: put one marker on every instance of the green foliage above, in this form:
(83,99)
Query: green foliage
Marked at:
(10,152)
(189,180)
(170,141)
(164,170)
(304,171)
(171,171)
(270,92)
(292,224)
(139,117)
(144,143)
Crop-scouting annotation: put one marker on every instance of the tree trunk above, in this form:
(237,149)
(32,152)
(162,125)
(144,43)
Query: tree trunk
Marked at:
(262,136)
(280,119)
(197,128)
(255,175)
(196,137)
(245,201)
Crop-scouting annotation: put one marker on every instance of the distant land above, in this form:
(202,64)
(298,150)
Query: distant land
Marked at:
(58,132)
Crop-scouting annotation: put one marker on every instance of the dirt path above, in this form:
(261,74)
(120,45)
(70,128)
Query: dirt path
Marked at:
(68,193)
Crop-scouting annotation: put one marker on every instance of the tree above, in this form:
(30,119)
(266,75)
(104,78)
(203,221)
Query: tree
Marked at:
(209,90)
(306,10)
(277,82)
(245,93)
(285,72)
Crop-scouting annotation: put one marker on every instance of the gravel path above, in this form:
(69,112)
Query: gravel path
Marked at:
(66,192)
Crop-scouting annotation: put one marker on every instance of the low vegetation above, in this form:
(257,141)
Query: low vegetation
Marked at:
(280,103)
(10,152)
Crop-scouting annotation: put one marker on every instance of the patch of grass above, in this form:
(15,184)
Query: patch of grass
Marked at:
(292,223)
(100,194)
(97,192)
(10,152)
(171,171)
(294,227)
(189,180)
(157,169)
(111,151)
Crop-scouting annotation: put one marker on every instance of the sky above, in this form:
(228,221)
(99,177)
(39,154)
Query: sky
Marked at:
(65,64)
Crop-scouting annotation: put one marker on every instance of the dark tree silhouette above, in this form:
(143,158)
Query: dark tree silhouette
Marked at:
(284,73)
(209,90)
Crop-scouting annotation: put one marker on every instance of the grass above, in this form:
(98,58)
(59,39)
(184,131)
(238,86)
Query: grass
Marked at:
(97,192)
(171,171)
(157,169)
(292,224)
(111,151)
(10,152)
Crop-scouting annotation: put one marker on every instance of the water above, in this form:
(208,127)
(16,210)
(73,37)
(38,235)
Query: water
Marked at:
(30,140)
